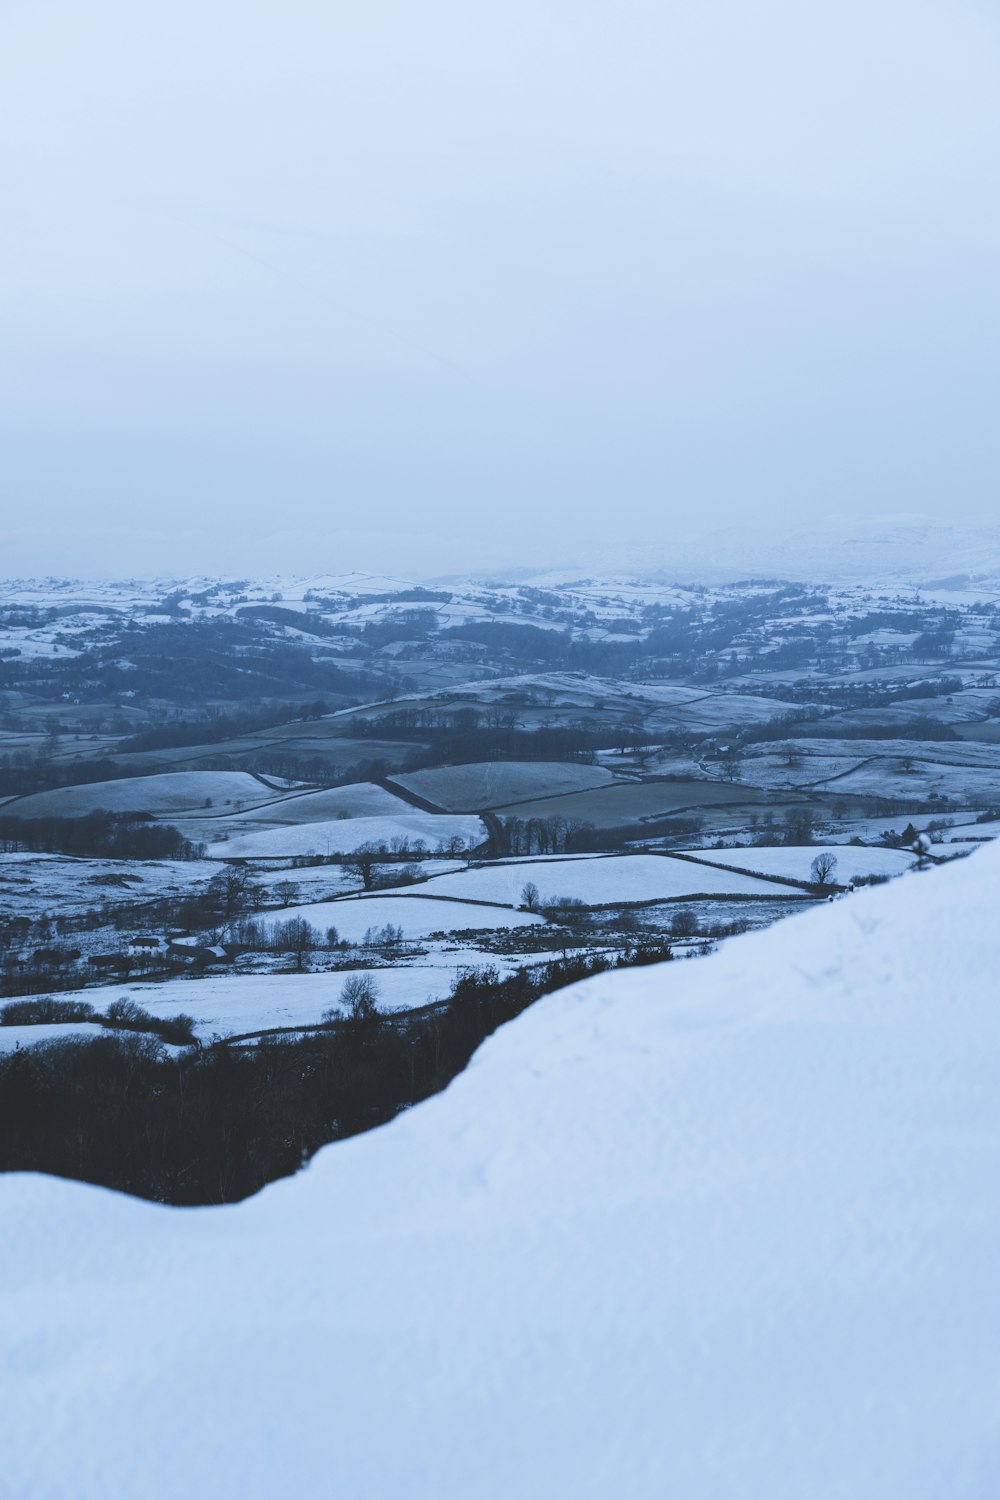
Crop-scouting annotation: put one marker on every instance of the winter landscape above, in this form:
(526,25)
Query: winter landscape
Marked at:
(499,751)
(277,859)
(247,826)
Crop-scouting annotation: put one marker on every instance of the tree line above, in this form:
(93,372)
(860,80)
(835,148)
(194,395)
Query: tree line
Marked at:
(96,835)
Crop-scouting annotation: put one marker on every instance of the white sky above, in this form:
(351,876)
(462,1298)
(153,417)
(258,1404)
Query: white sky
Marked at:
(426,287)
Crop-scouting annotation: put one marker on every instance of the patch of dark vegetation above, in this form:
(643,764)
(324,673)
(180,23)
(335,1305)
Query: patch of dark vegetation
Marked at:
(97,835)
(214,726)
(216,1125)
(121,1015)
(21,773)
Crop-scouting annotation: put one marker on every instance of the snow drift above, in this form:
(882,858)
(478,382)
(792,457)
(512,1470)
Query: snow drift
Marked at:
(725,1228)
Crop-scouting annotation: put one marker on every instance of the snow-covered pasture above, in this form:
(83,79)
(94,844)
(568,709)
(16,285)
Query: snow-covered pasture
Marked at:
(361,799)
(967,772)
(418,915)
(712,712)
(622,878)
(171,792)
(796,863)
(49,885)
(773,769)
(343,836)
(230,1004)
(971,786)
(635,803)
(871,830)
(947,752)
(489,784)
(292,809)
(14,1037)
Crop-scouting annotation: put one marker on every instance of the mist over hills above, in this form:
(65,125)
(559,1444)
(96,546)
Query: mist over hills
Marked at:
(903,549)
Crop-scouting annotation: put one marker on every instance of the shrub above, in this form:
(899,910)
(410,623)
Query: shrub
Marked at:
(45,1011)
(125,1015)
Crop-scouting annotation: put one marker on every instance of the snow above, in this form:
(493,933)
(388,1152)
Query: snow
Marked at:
(12,1037)
(172,791)
(989,829)
(484,784)
(796,863)
(360,799)
(719,1229)
(418,915)
(596,882)
(230,1004)
(344,835)
(40,885)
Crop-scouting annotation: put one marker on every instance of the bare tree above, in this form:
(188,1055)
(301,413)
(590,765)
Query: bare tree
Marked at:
(359,996)
(296,936)
(730,763)
(363,864)
(530,896)
(358,1003)
(823,869)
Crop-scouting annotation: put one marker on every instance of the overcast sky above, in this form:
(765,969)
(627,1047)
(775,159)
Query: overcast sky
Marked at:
(424,287)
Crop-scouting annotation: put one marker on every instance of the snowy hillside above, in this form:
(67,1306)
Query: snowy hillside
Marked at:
(719,1230)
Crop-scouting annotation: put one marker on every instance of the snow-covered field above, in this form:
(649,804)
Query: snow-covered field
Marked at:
(419,916)
(344,835)
(796,863)
(714,1229)
(975,831)
(970,786)
(492,783)
(946,752)
(171,792)
(712,712)
(907,769)
(230,1004)
(638,802)
(618,878)
(13,1037)
(49,885)
(871,830)
(361,799)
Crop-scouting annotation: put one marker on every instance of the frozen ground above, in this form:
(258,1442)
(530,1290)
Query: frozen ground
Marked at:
(12,1037)
(360,799)
(713,1230)
(418,915)
(796,863)
(617,878)
(50,885)
(492,783)
(344,835)
(229,1004)
(172,792)
(636,803)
